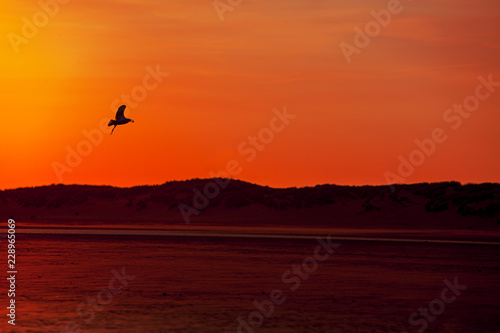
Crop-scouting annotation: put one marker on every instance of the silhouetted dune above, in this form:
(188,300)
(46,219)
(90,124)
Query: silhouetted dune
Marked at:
(234,202)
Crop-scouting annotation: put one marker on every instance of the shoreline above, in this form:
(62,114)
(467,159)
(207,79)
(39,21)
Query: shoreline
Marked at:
(381,235)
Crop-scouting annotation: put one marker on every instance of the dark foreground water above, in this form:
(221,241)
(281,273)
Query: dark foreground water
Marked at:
(125,283)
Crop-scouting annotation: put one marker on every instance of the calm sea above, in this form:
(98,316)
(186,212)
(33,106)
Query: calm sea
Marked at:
(122,282)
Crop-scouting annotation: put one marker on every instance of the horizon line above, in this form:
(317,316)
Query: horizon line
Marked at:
(248,182)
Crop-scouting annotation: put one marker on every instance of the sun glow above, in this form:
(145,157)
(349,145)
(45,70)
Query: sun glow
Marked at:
(353,119)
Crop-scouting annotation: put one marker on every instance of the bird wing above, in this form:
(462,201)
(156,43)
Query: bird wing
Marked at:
(119,113)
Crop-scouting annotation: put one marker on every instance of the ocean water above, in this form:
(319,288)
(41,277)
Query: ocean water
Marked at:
(160,283)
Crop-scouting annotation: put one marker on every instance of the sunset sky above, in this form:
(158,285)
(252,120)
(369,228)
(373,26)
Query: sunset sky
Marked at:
(352,120)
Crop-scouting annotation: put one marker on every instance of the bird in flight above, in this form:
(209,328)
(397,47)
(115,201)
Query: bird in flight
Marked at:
(120,119)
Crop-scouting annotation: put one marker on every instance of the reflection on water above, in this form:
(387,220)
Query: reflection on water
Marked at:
(211,233)
(203,284)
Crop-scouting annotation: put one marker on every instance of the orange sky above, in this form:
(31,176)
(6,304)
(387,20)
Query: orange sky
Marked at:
(225,78)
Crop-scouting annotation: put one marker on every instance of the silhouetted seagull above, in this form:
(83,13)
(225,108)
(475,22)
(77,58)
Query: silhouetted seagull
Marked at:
(120,118)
